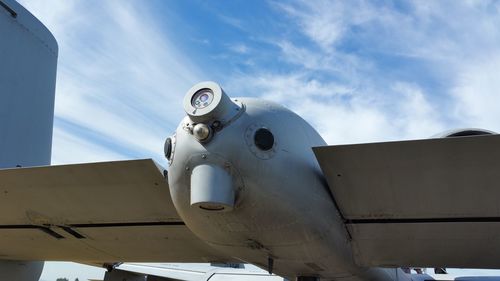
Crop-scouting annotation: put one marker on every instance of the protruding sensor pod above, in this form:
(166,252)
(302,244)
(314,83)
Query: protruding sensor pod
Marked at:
(212,188)
(206,101)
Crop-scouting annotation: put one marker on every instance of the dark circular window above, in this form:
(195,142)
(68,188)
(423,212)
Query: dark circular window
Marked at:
(168,148)
(264,139)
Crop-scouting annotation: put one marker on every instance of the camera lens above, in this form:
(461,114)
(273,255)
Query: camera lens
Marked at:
(202,98)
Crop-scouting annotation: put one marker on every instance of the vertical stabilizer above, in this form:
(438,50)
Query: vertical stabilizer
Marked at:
(28,62)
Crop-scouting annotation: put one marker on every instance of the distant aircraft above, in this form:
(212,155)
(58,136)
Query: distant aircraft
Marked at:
(248,181)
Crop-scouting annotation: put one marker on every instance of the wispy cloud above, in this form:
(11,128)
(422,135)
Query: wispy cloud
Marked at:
(239,48)
(119,75)
(326,22)
(477,93)
(407,70)
(234,22)
(71,148)
(358,70)
(345,114)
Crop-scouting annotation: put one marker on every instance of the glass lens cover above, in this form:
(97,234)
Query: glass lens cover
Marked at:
(202,98)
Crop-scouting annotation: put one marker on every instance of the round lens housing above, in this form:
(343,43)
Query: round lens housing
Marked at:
(202,98)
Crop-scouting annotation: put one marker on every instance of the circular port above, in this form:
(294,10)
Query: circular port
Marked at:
(167,149)
(264,139)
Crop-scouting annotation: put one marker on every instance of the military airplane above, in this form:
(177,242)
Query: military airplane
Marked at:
(248,181)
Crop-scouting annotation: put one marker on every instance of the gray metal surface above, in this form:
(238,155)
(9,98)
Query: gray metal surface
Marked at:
(428,202)
(434,178)
(212,188)
(453,244)
(100,212)
(28,61)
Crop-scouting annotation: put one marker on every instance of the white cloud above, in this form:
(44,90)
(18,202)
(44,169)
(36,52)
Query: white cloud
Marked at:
(70,148)
(239,48)
(415,117)
(128,78)
(234,22)
(326,22)
(477,94)
(425,29)
(344,114)
(119,74)
(457,41)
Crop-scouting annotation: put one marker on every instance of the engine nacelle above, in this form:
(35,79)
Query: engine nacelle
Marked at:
(464,132)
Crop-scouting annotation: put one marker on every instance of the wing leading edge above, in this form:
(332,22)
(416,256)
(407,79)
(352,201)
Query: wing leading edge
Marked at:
(97,212)
(427,203)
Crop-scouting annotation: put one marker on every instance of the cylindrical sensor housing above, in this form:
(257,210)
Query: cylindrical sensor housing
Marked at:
(206,101)
(211,188)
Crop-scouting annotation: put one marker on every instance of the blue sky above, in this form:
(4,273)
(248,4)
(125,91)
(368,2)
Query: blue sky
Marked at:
(358,71)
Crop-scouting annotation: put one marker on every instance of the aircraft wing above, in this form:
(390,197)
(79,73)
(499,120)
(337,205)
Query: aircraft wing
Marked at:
(97,212)
(425,203)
